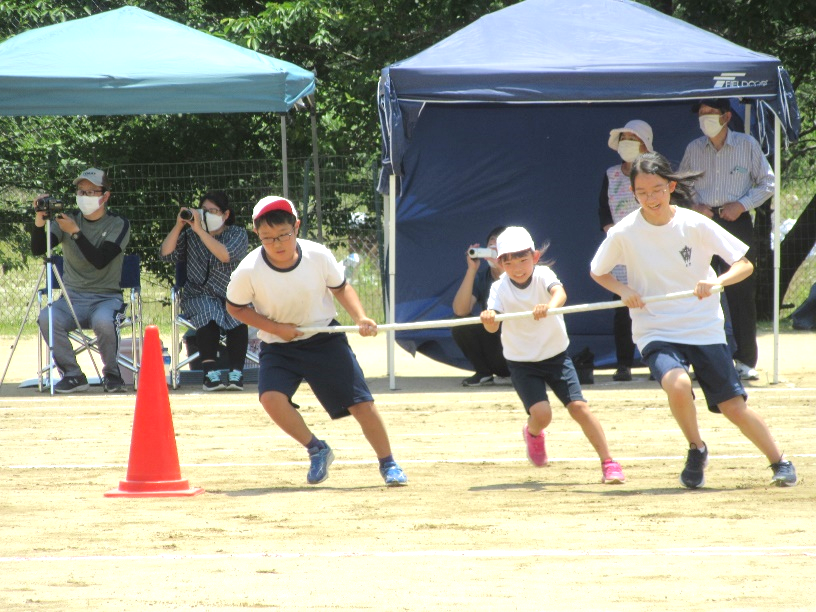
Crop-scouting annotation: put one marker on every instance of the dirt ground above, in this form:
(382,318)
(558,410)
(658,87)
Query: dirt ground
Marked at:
(478,527)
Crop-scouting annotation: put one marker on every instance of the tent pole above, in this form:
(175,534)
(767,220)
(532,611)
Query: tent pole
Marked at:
(392,277)
(777,213)
(316,162)
(284,157)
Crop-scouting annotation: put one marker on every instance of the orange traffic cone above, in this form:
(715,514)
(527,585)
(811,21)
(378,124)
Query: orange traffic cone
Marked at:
(153,467)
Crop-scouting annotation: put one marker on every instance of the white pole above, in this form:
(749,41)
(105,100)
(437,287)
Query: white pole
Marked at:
(777,212)
(392,327)
(284,157)
(747,120)
(392,278)
(316,166)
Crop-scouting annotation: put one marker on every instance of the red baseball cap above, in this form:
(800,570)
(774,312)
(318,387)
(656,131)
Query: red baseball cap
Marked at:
(270,203)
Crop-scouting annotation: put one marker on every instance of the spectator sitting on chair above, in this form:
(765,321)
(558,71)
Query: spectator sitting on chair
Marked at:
(481,348)
(93,243)
(212,246)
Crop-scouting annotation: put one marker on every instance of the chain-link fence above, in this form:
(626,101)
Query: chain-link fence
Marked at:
(150,195)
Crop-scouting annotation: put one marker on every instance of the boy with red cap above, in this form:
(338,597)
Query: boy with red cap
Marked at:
(286,283)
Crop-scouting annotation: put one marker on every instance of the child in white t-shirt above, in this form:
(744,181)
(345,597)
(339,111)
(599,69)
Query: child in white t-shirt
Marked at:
(667,248)
(288,283)
(535,348)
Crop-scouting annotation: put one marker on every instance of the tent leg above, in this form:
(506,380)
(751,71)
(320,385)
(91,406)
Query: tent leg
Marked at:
(284,157)
(391,218)
(777,212)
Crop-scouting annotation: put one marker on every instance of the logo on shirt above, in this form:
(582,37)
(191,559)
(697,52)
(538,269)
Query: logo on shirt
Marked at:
(732,79)
(685,253)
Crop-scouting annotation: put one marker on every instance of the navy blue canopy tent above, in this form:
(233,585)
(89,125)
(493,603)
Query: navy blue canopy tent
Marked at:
(506,122)
(130,61)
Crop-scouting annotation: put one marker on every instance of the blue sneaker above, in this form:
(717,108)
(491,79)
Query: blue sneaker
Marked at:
(321,459)
(784,474)
(393,475)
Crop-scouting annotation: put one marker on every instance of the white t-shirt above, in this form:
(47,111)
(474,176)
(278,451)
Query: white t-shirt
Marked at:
(662,259)
(527,339)
(298,295)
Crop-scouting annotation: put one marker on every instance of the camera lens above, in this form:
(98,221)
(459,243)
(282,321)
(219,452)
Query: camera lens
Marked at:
(186,214)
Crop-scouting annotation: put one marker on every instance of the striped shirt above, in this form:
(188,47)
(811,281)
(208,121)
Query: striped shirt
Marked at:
(620,201)
(205,292)
(738,172)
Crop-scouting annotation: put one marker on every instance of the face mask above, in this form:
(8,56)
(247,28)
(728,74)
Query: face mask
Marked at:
(710,125)
(212,222)
(628,150)
(88,204)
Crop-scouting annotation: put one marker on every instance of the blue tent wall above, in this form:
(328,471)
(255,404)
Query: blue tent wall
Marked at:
(548,180)
(506,121)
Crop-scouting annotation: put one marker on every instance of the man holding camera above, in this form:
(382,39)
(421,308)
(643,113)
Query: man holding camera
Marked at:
(481,348)
(93,243)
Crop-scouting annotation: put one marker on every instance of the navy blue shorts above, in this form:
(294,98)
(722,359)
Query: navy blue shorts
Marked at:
(530,378)
(325,361)
(713,366)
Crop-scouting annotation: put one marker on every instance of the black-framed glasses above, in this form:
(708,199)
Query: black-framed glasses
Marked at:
(90,192)
(282,238)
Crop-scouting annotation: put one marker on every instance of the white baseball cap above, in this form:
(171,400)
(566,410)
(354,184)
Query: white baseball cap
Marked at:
(639,128)
(94,175)
(514,240)
(270,203)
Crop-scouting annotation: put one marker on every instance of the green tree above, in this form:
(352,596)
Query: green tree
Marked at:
(346,44)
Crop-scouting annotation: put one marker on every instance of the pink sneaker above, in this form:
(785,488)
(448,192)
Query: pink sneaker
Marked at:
(612,472)
(536,452)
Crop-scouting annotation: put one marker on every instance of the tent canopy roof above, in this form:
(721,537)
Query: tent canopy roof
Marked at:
(130,61)
(583,50)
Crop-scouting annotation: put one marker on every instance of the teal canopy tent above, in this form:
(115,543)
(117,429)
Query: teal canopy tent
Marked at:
(131,62)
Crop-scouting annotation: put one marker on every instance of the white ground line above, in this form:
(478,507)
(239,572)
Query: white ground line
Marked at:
(91,466)
(713,551)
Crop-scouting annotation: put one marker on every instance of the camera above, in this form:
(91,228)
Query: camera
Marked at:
(482,253)
(49,205)
(186,214)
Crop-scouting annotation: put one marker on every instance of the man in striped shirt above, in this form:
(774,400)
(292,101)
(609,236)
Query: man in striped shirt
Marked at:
(737,179)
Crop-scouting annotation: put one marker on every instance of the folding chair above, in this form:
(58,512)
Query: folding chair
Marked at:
(131,317)
(178,322)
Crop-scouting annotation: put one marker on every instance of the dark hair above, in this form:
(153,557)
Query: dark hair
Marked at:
(655,164)
(541,250)
(220,199)
(494,233)
(275,217)
(721,104)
